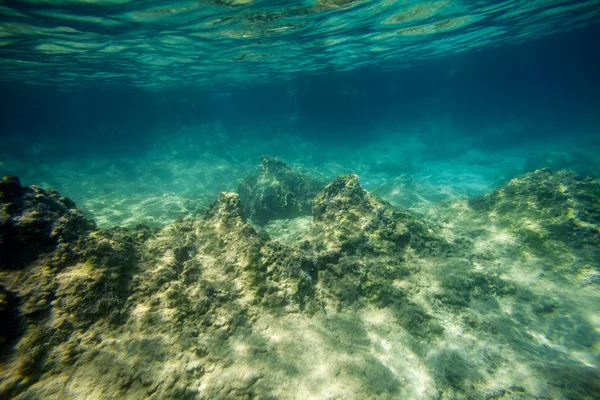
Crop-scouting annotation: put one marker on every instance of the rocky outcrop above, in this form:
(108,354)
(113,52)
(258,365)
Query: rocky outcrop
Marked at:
(58,276)
(546,205)
(355,220)
(367,298)
(277,192)
(34,221)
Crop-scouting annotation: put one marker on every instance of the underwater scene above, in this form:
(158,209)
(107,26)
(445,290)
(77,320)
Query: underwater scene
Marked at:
(314,199)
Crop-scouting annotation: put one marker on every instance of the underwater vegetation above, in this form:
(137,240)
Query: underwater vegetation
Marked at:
(298,288)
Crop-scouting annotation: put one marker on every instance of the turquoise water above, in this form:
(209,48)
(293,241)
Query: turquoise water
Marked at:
(182,98)
(158,45)
(143,111)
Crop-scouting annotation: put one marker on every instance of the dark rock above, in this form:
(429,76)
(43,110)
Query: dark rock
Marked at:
(34,221)
(10,188)
(277,192)
(11,325)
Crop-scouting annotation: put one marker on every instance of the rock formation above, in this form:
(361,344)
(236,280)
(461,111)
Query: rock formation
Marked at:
(481,298)
(277,192)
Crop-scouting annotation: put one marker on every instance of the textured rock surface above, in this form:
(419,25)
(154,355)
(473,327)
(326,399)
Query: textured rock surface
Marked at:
(354,218)
(560,206)
(33,221)
(58,276)
(277,192)
(366,301)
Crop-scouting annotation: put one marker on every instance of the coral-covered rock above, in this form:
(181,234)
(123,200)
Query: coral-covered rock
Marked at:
(277,192)
(34,221)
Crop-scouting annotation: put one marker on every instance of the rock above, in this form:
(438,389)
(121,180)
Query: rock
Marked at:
(34,221)
(277,192)
(10,316)
(564,206)
(10,189)
(233,313)
(58,276)
(344,198)
(227,210)
(355,219)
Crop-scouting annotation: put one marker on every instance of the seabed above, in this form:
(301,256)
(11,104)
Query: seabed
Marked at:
(295,286)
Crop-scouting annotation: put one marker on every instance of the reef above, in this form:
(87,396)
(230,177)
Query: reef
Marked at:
(478,298)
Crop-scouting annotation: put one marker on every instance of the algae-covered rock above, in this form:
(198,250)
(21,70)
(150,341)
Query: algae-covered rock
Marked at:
(227,210)
(60,298)
(97,286)
(277,192)
(58,275)
(33,221)
(364,301)
(354,219)
(546,205)
(344,198)
(10,317)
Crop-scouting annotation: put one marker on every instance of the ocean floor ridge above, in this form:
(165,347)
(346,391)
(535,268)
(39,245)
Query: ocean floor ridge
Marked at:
(295,287)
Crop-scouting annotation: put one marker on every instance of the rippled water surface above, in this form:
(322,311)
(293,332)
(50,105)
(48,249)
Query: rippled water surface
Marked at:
(217,42)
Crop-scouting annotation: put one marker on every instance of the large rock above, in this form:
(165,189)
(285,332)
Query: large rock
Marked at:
(277,192)
(58,276)
(354,219)
(34,221)
(546,205)
(370,294)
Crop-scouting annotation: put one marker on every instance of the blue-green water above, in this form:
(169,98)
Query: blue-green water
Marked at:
(468,121)
(436,114)
(141,111)
(217,43)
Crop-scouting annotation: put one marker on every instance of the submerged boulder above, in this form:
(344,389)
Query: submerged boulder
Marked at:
(354,219)
(34,221)
(544,205)
(277,192)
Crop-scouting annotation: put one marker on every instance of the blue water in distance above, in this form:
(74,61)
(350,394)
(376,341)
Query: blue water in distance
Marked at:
(461,95)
